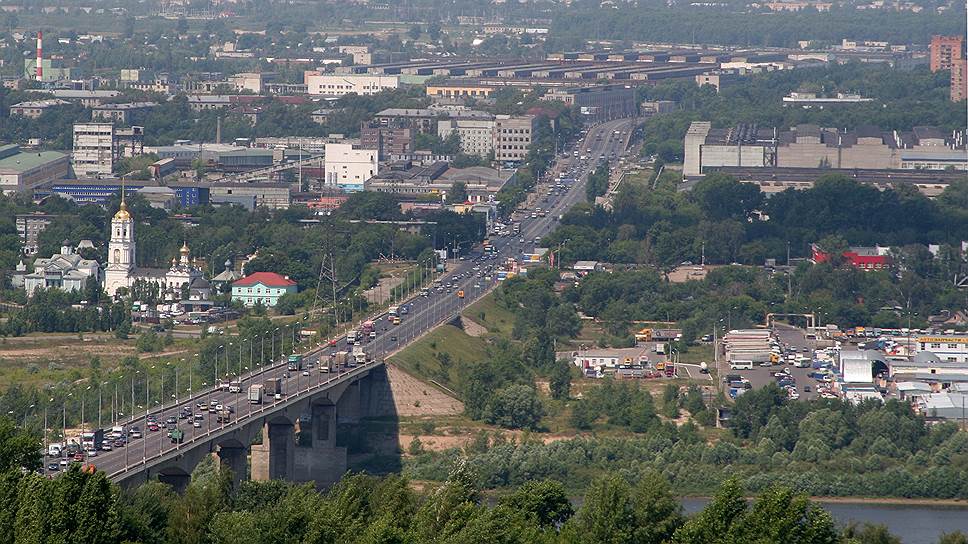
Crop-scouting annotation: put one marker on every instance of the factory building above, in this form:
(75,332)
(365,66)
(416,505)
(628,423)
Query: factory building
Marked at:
(810,146)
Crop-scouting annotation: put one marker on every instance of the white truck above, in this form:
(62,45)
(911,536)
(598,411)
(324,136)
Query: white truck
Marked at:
(351,338)
(359,355)
(55,449)
(255,393)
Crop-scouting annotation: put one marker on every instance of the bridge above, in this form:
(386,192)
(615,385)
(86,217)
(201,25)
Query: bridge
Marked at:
(297,435)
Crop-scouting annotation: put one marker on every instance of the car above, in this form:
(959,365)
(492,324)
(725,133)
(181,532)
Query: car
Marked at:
(393,338)
(119,443)
(107,446)
(63,462)
(807,389)
(170,420)
(197,424)
(91,452)
(53,467)
(305,373)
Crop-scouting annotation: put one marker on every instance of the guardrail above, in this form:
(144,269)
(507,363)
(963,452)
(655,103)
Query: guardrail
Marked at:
(275,405)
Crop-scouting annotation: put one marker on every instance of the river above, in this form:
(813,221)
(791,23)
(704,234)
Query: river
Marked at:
(913,524)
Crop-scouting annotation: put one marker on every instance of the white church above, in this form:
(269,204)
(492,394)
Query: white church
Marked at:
(122,272)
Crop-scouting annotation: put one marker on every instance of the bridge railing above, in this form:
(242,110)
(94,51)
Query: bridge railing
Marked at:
(206,435)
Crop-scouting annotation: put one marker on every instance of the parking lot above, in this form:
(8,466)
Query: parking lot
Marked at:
(760,376)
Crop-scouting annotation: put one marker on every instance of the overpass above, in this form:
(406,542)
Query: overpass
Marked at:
(297,436)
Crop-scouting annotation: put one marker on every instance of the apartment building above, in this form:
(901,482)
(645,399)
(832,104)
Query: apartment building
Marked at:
(945,50)
(476,135)
(93,152)
(512,137)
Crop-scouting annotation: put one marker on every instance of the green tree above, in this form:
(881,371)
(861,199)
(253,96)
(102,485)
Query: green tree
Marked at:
(515,406)
(607,515)
(545,500)
(559,381)
(457,192)
(19,448)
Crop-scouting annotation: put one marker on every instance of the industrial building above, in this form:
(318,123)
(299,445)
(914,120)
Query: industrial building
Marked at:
(406,179)
(930,183)
(810,146)
(318,84)
(251,195)
(599,102)
(23,171)
(947,347)
(100,191)
(98,145)
(348,166)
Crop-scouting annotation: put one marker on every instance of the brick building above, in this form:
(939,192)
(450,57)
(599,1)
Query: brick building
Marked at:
(945,50)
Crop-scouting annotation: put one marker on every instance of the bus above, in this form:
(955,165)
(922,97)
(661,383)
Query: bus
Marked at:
(741,365)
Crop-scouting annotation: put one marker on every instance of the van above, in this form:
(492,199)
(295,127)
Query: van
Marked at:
(741,365)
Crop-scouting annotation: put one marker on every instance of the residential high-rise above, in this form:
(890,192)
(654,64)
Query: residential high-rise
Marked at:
(959,80)
(945,50)
(93,152)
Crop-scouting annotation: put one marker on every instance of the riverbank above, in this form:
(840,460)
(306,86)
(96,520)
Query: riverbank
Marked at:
(887,501)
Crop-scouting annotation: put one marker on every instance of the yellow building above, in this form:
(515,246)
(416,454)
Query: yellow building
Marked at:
(459,90)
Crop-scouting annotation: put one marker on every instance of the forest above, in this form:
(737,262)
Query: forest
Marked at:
(728,24)
(82,506)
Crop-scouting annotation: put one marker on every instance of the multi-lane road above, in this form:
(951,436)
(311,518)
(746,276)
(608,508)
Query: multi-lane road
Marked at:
(424,313)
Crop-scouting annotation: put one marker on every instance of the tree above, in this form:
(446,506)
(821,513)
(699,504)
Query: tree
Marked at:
(515,407)
(559,382)
(457,192)
(545,500)
(723,197)
(19,448)
(414,32)
(657,513)
(713,524)
(563,320)
(607,515)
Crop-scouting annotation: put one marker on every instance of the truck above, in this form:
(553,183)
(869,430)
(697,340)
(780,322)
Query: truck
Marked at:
(659,348)
(670,370)
(327,364)
(341,359)
(235,386)
(351,338)
(704,368)
(393,311)
(55,449)
(294,362)
(92,440)
(368,327)
(255,393)
(359,355)
(273,388)
(176,435)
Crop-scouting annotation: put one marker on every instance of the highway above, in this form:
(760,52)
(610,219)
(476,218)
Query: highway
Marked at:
(424,313)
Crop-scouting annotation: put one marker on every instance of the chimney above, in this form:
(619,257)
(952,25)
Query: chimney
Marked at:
(40,55)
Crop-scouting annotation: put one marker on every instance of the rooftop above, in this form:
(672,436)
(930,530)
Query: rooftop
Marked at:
(15,161)
(270,279)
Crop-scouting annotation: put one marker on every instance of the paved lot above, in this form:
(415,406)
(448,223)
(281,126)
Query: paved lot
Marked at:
(760,376)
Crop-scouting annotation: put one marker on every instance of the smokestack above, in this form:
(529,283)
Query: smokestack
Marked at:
(218,129)
(40,55)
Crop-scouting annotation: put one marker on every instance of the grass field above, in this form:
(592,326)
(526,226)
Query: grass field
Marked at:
(434,356)
(490,315)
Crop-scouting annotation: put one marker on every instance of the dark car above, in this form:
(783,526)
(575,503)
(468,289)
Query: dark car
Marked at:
(53,467)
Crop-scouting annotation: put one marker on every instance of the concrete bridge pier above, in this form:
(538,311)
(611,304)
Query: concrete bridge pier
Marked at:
(273,459)
(177,480)
(233,458)
(322,462)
